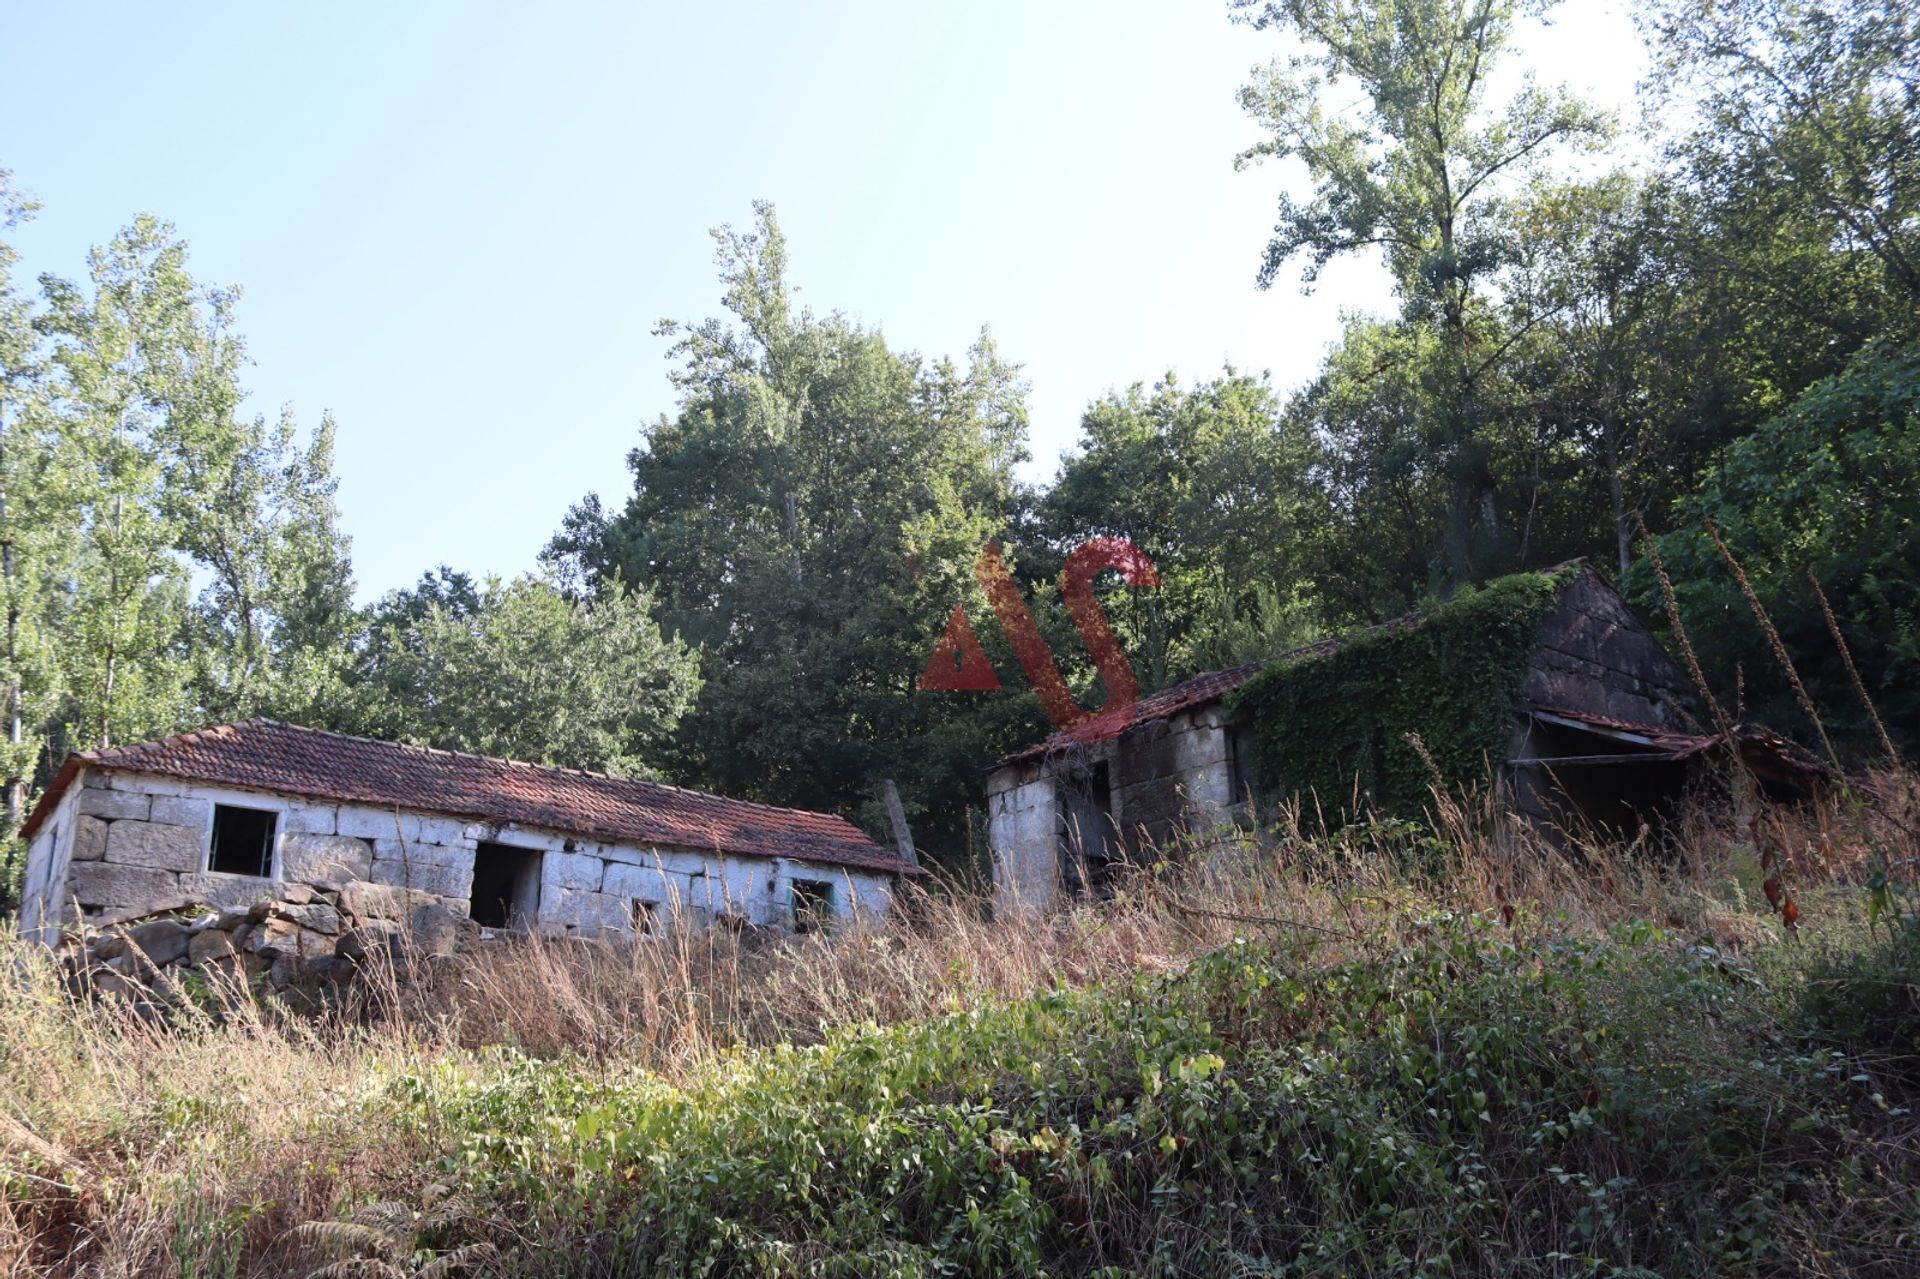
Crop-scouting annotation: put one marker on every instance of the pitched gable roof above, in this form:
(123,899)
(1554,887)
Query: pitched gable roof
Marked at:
(286,759)
(1200,690)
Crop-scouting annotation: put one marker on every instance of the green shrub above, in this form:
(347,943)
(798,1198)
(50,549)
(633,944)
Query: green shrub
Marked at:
(1459,1103)
(1867,1002)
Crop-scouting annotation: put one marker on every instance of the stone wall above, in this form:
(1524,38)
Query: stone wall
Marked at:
(127,842)
(1595,655)
(1169,780)
(1023,832)
(304,939)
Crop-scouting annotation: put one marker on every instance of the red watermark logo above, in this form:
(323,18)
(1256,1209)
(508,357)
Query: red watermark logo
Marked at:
(960,664)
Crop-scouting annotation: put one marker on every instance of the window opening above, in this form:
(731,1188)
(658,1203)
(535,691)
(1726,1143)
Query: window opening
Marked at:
(645,917)
(812,905)
(242,841)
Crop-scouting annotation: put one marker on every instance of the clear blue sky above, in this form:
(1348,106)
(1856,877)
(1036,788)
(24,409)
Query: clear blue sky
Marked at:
(456,225)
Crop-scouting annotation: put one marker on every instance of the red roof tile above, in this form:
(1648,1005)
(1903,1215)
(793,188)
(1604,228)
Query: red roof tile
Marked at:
(1773,757)
(286,759)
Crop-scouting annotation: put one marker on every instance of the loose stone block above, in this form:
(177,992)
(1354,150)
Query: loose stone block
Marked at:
(437,881)
(109,982)
(105,884)
(89,839)
(374,935)
(155,844)
(305,858)
(571,870)
(162,941)
(178,810)
(431,930)
(284,937)
(316,916)
(209,945)
(114,804)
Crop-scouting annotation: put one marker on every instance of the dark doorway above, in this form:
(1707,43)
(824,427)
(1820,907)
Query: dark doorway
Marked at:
(506,886)
(1092,843)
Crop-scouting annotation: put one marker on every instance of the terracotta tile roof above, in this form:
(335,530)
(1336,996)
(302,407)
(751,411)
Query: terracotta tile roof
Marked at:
(286,759)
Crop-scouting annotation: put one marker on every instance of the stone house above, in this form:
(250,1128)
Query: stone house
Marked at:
(1602,730)
(228,816)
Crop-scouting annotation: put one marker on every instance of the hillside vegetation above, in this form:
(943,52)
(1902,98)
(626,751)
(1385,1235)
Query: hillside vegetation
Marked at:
(1376,1052)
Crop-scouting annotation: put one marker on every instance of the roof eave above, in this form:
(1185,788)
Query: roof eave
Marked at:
(78,762)
(50,798)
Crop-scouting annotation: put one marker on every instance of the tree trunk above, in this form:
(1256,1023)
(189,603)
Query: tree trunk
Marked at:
(16,785)
(1619,501)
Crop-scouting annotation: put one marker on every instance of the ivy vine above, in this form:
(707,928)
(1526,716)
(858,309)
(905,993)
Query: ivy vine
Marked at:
(1330,728)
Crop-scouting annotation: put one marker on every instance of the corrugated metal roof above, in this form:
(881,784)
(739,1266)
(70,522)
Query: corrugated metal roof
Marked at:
(1772,756)
(266,755)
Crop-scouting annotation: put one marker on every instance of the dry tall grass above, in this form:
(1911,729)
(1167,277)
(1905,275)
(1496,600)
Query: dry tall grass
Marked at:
(128,1146)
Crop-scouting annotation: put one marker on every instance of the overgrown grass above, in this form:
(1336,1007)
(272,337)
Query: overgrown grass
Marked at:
(1376,1052)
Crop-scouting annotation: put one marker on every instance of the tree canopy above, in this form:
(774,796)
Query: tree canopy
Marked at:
(1719,330)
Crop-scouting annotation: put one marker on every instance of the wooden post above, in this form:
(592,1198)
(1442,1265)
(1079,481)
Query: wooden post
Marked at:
(902,837)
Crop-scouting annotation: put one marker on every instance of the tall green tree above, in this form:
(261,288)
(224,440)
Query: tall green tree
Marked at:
(519,670)
(1376,548)
(1213,485)
(175,483)
(1420,169)
(124,354)
(272,630)
(36,530)
(1810,112)
(809,517)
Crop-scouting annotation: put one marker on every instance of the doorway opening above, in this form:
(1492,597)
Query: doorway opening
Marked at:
(1092,843)
(506,886)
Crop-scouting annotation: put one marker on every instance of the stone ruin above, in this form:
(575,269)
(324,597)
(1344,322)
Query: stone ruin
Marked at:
(303,942)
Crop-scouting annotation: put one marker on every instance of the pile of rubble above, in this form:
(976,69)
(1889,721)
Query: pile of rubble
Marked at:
(308,936)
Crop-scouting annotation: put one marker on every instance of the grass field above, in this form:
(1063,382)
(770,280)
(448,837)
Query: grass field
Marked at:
(1382,1051)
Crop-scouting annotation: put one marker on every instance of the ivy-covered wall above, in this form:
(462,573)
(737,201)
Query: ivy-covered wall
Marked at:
(1315,724)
